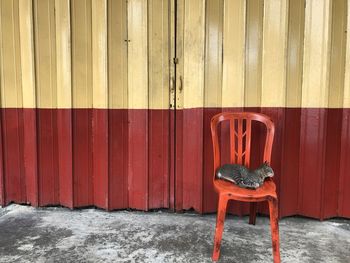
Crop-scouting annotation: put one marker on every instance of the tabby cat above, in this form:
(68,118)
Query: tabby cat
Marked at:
(243,177)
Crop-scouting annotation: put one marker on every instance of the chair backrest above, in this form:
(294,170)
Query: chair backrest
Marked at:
(240,126)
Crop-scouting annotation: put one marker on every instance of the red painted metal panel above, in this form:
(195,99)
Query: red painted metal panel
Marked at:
(179,160)
(210,198)
(172,160)
(312,156)
(278,117)
(122,158)
(289,186)
(100,157)
(14,179)
(82,157)
(138,159)
(65,156)
(2,181)
(158,152)
(257,142)
(47,157)
(118,158)
(344,179)
(30,156)
(192,162)
(332,163)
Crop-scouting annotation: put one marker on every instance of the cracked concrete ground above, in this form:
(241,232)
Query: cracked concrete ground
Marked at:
(30,234)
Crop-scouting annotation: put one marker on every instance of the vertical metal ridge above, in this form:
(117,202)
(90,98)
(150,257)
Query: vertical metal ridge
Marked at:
(100,103)
(28,75)
(192,91)
(213,53)
(346,94)
(71,116)
(27,54)
(117,46)
(253,66)
(344,175)
(337,54)
(81,54)
(63,52)
(138,104)
(10,55)
(234,53)
(158,102)
(274,53)
(19,112)
(117,54)
(64,101)
(108,195)
(17,52)
(99,54)
(193,55)
(1,60)
(335,100)
(2,183)
(295,49)
(45,50)
(316,54)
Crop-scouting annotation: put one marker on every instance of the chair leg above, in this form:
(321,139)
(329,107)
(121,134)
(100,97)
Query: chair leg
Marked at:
(273,207)
(220,219)
(252,213)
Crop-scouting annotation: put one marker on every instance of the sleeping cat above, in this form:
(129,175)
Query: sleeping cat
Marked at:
(243,177)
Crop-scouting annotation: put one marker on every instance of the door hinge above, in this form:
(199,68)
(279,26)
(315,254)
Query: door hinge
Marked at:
(176,60)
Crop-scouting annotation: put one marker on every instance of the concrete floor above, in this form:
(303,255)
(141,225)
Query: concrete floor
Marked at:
(90,235)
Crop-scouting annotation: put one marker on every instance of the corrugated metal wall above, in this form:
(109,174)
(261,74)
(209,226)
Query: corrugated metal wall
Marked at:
(287,59)
(86,87)
(77,81)
(266,54)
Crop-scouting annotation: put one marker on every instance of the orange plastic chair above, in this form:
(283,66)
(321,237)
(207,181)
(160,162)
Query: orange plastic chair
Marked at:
(240,146)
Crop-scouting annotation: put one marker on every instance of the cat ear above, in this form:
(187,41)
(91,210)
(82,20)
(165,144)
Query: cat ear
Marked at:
(266,163)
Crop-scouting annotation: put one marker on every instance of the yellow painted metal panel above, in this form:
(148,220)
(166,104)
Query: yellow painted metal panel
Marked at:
(346,101)
(180,24)
(1,60)
(254,30)
(27,53)
(295,53)
(337,60)
(10,62)
(193,53)
(274,51)
(172,45)
(63,49)
(213,53)
(233,53)
(158,53)
(81,53)
(45,53)
(316,53)
(137,55)
(99,53)
(117,54)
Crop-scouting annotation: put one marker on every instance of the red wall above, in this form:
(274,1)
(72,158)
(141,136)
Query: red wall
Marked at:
(117,159)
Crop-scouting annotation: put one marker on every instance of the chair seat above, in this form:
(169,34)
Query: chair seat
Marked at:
(268,189)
